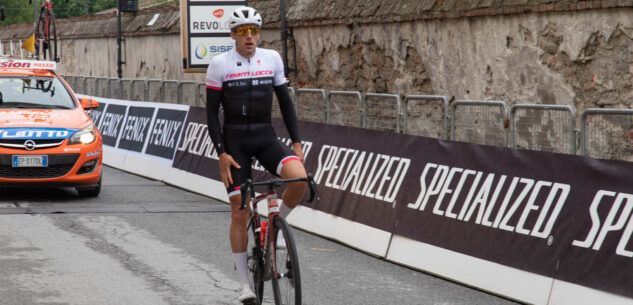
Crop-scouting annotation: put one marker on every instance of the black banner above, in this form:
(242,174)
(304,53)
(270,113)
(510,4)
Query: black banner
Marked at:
(562,216)
(166,129)
(152,129)
(97,113)
(112,123)
(196,153)
(136,128)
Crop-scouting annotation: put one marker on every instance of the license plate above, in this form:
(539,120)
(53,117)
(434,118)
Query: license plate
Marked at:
(30,160)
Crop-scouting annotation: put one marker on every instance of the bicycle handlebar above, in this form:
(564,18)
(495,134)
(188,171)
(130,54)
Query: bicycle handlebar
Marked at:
(247,188)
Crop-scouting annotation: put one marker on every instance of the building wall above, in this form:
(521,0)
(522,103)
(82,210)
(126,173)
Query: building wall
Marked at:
(577,53)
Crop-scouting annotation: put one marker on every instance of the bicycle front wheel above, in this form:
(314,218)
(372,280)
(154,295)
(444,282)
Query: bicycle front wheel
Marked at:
(287,278)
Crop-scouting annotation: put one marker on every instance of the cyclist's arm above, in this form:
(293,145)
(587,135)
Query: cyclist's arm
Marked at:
(288,112)
(214,98)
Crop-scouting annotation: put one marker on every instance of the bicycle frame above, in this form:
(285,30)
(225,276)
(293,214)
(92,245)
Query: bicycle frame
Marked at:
(45,33)
(264,249)
(272,201)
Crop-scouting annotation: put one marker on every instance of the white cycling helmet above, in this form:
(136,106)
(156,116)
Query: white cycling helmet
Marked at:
(245,15)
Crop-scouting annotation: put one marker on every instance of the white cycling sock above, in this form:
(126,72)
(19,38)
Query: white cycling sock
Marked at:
(284,210)
(241,266)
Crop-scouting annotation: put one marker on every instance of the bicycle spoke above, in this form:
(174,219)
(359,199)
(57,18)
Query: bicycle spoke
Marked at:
(286,285)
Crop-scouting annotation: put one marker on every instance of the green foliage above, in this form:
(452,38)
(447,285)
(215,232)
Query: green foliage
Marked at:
(16,11)
(20,11)
(74,8)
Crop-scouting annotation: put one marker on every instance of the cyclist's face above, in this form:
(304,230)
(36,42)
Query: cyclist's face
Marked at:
(247,41)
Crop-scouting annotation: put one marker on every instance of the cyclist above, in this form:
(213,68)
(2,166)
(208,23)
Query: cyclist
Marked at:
(242,80)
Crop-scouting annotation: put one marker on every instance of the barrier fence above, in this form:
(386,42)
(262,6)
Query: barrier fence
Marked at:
(604,133)
(345,108)
(428,114)
(480,122)
(549,128)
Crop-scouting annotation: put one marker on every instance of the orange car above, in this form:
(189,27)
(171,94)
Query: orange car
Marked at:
(46,135)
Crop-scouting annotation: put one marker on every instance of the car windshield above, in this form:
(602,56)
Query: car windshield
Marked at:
(34,92)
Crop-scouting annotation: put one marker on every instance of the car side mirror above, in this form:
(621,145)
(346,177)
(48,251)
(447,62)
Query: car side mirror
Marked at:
(88,103)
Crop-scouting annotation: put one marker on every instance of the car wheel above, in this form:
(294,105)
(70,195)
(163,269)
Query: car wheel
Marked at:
(90,191)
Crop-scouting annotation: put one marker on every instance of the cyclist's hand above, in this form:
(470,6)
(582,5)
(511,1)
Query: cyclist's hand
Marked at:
(226,161)
(296,147)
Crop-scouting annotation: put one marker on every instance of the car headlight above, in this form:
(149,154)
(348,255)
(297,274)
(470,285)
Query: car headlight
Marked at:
(84,136)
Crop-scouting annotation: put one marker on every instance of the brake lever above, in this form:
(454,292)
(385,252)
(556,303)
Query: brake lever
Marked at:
(313,190)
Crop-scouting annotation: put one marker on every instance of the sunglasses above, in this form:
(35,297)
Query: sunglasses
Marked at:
(243,31)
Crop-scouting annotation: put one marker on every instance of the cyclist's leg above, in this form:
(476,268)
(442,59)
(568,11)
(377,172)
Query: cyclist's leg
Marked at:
(279,159)
(239,218)
(238,234)
(292,195)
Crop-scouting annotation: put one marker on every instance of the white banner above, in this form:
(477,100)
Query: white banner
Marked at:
(202,49)
(210,19)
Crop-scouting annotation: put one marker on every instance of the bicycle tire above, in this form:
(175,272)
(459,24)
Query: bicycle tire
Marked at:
(52,38)
(256,262)
(40,34)
(287,283)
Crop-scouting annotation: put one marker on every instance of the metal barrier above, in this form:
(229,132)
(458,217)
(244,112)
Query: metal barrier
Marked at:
(275,111)
(201,95)
(139,89)
(114,88)
(310,111)
(291,91)
(184,87)
(607,134)
(480,122)
(101,87)
(431,113)
(170,92)
(71,81)
(380,115)
(90,85)
(80,86)
(543,127)
(125,87)
(155,91)
(343,112)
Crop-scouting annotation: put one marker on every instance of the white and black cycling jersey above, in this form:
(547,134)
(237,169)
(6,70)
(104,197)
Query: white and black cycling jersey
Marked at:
(244,87)
(246,84)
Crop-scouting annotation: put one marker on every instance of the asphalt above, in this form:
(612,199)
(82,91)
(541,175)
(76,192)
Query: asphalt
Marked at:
(145,242)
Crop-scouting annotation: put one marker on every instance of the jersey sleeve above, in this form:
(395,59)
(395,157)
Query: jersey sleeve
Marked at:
(280,74)
(214,74)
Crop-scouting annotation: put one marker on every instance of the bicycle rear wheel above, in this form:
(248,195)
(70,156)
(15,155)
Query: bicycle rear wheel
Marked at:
(256,262)
(287,282)
(46,36)
(52,38)
(40,35)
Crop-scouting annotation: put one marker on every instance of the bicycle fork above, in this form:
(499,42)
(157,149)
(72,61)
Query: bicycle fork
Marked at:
(269,250)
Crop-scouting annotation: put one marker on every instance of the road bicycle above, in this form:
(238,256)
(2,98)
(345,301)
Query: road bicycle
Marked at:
(267,260)
(45,33)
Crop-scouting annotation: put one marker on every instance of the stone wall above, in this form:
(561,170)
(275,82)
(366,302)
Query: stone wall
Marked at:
(583,59)
(577,53)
